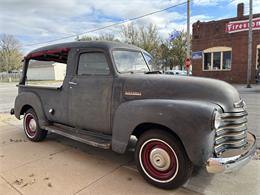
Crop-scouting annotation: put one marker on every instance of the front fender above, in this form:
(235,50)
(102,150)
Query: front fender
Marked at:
(191,121)
(32,100)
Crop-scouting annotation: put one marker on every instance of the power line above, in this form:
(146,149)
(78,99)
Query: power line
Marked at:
(108,26)
(111,25)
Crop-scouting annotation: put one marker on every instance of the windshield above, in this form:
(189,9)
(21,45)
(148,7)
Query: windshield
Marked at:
(130,61)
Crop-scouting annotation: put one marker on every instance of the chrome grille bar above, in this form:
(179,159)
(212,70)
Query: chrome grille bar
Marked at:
(232,132)
(230,145)
(230,137)
(231,129)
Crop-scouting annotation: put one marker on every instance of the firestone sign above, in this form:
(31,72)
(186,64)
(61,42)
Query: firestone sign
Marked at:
(242,25)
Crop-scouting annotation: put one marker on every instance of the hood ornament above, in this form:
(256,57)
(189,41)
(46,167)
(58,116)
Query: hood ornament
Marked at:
(240,104)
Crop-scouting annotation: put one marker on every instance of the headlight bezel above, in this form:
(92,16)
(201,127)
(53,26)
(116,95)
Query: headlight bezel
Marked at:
(217,120)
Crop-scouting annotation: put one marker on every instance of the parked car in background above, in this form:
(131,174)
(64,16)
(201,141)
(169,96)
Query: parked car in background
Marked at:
(109,94)
(177,72)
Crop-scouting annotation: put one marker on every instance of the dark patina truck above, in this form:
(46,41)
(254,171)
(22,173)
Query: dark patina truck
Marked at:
(109,94)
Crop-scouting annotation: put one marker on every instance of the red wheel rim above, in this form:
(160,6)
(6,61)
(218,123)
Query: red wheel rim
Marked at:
(158,160)
(30,125)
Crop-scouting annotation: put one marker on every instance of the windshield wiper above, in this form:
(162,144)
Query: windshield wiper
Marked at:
(153,72)
(130,71)
(133,71)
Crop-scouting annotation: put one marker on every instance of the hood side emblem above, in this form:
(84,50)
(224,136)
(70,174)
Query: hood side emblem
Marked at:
(133,93)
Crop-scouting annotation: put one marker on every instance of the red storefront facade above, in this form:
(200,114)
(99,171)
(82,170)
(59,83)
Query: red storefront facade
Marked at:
(220,48)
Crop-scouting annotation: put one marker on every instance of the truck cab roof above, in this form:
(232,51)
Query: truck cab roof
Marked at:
(65,47)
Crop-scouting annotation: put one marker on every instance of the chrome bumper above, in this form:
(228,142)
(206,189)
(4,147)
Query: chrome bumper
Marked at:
(233,159)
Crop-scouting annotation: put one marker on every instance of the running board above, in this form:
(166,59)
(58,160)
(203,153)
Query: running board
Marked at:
(91,138)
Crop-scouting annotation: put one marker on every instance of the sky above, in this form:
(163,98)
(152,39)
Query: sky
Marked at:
(35,21)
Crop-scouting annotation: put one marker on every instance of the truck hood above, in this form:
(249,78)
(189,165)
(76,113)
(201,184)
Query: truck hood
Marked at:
(141,86)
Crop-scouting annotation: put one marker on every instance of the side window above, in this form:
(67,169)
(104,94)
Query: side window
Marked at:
(93,63)
(46,73)
(47,68)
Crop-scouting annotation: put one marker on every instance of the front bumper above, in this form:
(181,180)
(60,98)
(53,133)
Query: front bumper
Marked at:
(231,160)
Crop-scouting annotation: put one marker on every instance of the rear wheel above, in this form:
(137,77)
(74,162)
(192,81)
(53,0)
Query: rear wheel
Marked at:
(162,160)
(31,126)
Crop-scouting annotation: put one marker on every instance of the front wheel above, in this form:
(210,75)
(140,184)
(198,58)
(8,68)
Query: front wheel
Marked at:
(162,160)
(31,126)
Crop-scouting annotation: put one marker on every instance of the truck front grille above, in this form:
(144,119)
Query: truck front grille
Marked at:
(232,133)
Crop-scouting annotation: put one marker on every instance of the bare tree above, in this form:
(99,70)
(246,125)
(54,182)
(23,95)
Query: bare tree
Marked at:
(10,53)
(86,38)
(101,37)
(130,34)
(107,37)
(149,38)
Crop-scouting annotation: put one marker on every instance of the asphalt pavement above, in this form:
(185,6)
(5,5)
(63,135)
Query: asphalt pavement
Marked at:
(8,92)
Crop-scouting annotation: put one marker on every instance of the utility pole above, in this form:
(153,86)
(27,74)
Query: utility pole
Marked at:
(188,34)
(250,33)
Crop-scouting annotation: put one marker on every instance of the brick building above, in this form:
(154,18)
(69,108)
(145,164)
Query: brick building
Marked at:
(220,48)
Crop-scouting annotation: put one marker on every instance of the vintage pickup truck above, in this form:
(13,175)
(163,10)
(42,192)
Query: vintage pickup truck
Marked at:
(110,94)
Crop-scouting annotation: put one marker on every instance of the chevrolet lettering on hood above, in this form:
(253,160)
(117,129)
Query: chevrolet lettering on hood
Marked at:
(133,93)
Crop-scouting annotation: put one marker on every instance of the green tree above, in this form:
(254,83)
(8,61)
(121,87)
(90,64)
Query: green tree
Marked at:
(166,56)
(10,53)
(173,50)
(145,37)
(179,48)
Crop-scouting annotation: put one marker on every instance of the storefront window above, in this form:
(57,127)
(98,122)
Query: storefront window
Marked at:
(207,61)
(216,60)
(226,60)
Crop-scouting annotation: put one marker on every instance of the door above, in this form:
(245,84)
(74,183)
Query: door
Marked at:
(90,92)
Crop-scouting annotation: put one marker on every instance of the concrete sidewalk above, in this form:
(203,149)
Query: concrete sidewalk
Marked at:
(62,166)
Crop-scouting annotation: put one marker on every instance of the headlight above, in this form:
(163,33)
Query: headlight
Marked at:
(217,120)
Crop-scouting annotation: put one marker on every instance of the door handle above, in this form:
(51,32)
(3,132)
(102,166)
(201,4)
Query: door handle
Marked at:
(72,83)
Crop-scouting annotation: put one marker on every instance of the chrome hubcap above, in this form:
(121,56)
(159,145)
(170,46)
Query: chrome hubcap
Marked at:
(160,159)
(32,125)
